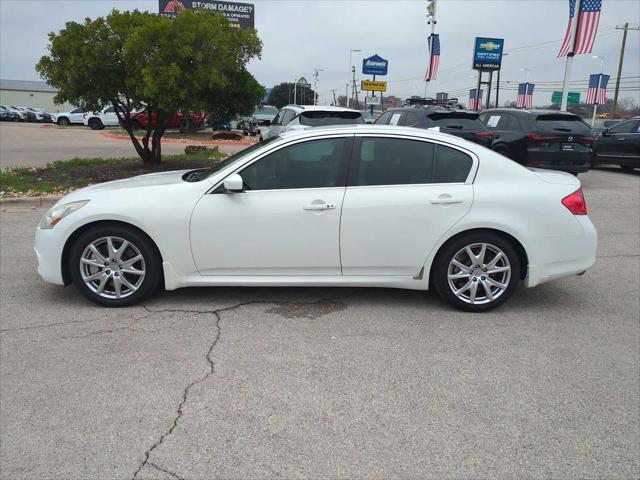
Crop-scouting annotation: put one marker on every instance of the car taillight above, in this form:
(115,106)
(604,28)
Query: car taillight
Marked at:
(542,138)
(575,203)
(585,140)
(483,134)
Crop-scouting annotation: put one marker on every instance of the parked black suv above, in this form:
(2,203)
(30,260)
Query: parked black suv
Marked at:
(460,123)
(619,145)
(541,138)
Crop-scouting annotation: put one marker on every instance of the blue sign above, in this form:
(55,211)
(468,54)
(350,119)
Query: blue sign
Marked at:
(375,65)
(487,53)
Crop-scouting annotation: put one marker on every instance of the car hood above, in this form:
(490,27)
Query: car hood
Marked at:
(141,181)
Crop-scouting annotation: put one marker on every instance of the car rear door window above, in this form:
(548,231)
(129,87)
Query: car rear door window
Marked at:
(458,121)
(411,119)
(625,127)
(452,166)
(393,161)
(312,164)
(508,122)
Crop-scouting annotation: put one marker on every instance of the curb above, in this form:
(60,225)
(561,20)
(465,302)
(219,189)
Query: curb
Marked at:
(39,201)
(241,143)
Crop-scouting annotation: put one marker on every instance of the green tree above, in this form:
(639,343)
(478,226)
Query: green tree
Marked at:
(283,94)
(142,62)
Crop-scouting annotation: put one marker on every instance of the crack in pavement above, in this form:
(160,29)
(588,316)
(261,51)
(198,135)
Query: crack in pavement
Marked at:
(164,470)
(185,393)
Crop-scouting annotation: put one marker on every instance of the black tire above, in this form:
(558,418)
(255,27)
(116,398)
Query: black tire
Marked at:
(449,251)
(96,124)
(64,122)
(152,265)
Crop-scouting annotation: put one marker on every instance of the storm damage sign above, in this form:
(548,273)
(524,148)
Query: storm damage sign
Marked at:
(240,15)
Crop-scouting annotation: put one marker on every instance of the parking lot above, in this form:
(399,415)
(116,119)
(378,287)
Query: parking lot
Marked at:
(327,383)
(32,145)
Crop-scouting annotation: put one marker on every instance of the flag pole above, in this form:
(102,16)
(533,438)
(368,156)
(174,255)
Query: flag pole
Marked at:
(431,18)
(569,63)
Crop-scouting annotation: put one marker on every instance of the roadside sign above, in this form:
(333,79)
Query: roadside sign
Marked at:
(487,53)
(371,86)
(303,81)
(573,98)
(240,15)
(375,65)
(372,100)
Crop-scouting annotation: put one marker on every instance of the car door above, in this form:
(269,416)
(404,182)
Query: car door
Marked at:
(76,115)
(109,116)
(622,141)
(287,219)
(403,194)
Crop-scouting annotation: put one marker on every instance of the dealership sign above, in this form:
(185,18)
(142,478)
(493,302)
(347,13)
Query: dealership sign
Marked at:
(487,53)
(375,65)
(240,15)
(373,86)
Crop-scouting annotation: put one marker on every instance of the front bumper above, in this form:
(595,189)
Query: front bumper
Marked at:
(49,245)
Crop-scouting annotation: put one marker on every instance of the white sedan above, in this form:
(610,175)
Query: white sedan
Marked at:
(357,205)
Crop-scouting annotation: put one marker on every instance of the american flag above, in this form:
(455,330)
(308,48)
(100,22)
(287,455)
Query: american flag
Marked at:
(434,48)
(472,99)
(587,26)
(597,95)
(525,95)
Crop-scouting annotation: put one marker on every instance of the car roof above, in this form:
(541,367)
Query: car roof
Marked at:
(318,108)
(429,109)
(522,111)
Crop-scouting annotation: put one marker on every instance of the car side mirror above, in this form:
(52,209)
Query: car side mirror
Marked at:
(233,183)
(605,132)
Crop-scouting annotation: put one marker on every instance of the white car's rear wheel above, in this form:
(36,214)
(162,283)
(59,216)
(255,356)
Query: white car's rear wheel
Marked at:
(477,272)
(115,266)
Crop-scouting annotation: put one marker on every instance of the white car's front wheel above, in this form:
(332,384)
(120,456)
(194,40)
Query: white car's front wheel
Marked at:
(477,272)
(115,266)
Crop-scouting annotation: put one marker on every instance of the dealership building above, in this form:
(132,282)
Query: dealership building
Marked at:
(28,93)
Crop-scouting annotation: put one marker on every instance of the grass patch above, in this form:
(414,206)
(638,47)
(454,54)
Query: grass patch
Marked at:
(65,175)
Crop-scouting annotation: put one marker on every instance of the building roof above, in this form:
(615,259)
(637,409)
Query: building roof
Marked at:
(26,85)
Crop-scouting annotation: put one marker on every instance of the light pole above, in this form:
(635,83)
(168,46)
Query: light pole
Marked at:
(316,74)
(595,101)
(351,67)
(528,72)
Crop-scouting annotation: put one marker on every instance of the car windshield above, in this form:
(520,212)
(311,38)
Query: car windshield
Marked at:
(202,173)
(459,121)
(319,118)
(266,111)
(562,123)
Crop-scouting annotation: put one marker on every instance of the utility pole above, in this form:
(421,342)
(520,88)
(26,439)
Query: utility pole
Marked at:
(431,20)
(626,28)
(316,74)
(354,95)
(335,102)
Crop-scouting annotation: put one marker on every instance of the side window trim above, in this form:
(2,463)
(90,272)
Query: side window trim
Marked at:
(354,161)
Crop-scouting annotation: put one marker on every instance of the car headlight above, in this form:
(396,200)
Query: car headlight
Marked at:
(57,213)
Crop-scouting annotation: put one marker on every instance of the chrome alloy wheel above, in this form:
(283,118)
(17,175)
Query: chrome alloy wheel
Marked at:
(112,267)
(479,273)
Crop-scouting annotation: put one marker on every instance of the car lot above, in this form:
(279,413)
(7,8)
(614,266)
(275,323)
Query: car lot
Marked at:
(30,145)
(266,383)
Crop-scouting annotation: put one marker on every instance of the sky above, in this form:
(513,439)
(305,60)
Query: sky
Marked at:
(301,35)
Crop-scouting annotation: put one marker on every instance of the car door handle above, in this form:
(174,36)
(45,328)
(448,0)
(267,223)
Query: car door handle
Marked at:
(319,206)
(446,200)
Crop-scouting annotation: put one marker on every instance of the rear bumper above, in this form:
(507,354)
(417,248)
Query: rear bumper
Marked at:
(567,162)
(562,256)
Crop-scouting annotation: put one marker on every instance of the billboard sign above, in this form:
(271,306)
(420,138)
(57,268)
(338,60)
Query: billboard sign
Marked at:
(371,86)
(240,15)
(487,53)
(375,65)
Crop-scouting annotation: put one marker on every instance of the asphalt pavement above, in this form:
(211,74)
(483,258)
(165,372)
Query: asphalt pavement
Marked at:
(35,145)
(326,383)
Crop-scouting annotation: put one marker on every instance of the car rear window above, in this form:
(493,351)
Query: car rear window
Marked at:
(320,118)
(562,123)
(460,121)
